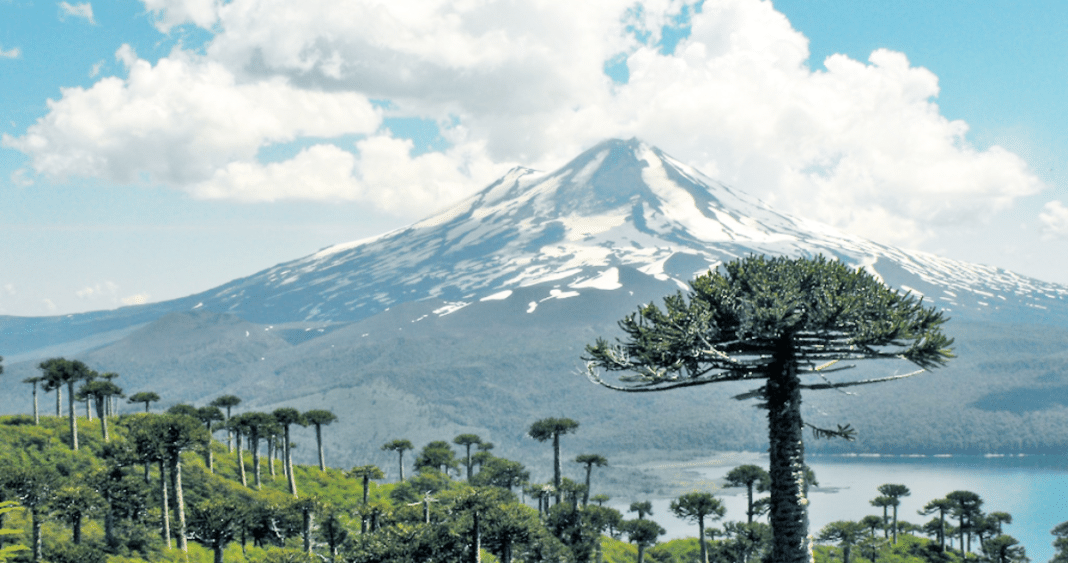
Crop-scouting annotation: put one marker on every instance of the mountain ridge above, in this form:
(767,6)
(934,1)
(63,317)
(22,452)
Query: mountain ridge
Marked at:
(476,318)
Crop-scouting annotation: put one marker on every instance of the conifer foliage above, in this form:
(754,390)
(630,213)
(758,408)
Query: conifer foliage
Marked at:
(774,319)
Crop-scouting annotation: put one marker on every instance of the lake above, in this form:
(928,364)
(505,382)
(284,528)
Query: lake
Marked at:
(1033,489)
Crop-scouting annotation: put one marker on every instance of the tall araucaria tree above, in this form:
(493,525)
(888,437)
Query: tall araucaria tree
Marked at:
(101,393)
(59,372)
(365,473)
(750,477)
(227,402)
(467,440)
(776,320)
(319,419)
(32,381)
(146,397)
(399,446)
(209,415)
(287,417)
(697,506)
(894,492)
(256,424)
(551,429)
(590,461)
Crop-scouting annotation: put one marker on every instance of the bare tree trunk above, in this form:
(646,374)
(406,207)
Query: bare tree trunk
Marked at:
(400,462)
(319,440)
(556,466)
(103,419)
(73,417)
(88,411)
(36,415)
(229,434)
(789,514)
(165,515)
(255,446)
(270,454)
(59,401)
(701,539)
(35,523)
(210,453)
(241,461)
(179,499)
(289,465)
(307,530)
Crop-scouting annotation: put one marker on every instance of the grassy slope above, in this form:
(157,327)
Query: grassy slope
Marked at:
(19,440)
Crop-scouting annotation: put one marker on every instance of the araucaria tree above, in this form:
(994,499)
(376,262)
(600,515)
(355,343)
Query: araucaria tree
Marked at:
(146,397)
(551,429)
(750,477)
(590,460)
(100,392)
(320,418)
(59,372)
(467,440)
(399,446)
(776,320)
(894,492)
(227,402)
(32,381)
(287,417)
(696,506)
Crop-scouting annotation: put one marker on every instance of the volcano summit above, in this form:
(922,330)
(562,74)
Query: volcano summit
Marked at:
(474,320)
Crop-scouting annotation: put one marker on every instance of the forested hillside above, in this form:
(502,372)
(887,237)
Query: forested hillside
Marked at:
(107,503)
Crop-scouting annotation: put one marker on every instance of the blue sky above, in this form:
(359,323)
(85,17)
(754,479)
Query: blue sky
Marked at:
(152,149)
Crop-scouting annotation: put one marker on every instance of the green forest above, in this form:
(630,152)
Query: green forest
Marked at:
(159,487)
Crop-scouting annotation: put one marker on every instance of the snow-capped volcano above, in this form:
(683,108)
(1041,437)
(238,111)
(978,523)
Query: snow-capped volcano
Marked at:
(476,319)
(621,204)
(622,216)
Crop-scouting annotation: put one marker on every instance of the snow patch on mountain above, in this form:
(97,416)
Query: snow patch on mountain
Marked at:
(621,204)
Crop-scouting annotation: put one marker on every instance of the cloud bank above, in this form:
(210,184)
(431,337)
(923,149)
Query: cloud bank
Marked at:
(861,145)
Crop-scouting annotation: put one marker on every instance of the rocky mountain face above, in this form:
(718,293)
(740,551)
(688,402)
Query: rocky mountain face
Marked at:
(474,320)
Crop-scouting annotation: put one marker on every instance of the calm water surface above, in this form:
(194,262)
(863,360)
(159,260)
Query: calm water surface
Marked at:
(1033,489)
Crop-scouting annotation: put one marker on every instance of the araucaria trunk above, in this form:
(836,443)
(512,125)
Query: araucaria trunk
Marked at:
(165,516)
(556,466)
(476,547)
(319,441)
(179,500)
(241,462)
(789,505)
(35,523)
(73,417)
(289,465)
(103,419)
(255,447)
(701,539)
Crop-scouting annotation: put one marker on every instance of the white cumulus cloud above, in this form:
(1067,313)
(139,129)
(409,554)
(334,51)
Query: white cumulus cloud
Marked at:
(83,10)
(861,145)
(1054,219)
(12,53)
(180,121)
(383,173)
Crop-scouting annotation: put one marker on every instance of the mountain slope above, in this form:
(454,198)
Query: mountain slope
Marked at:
(476,318)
